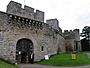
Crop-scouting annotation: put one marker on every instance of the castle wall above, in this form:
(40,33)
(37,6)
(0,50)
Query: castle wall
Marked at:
(41,34)
(2,31)
(69,43)
(18,23)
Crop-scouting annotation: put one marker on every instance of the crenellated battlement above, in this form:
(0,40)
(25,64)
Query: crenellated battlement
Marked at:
(75,30)
(16,8)
(72,34)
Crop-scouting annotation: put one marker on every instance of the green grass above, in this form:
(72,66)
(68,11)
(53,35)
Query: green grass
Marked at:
(4,64)
(65,60)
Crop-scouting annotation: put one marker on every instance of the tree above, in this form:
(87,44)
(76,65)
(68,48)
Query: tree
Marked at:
(86,33)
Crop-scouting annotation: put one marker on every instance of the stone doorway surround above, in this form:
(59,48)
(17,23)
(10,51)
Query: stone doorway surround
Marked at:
(24,50)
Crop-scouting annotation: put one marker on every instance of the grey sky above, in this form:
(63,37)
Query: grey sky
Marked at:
(70,13)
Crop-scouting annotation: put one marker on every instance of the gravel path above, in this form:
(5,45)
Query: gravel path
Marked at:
(43,66)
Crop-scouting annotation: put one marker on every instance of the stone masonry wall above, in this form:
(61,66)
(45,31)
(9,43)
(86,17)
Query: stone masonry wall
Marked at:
(15,27)
(18,23)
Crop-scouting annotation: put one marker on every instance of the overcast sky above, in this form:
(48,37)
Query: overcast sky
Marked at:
(71,14)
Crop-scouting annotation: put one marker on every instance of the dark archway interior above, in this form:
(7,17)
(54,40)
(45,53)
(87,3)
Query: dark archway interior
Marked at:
(24,49)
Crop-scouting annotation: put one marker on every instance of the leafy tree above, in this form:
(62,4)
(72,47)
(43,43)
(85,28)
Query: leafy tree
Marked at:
(86,33)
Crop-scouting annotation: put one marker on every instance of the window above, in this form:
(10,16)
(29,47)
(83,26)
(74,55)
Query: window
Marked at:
(42,48)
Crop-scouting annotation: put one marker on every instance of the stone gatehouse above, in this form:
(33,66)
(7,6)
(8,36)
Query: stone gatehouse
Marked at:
(23,32)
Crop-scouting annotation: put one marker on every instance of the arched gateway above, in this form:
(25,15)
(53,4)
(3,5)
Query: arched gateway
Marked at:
(24,51)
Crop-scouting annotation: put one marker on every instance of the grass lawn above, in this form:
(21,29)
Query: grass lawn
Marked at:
(6,65)
(65,60)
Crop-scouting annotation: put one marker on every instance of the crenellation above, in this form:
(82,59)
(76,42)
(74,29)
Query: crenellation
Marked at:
(65,31)
(28,9)
(76,30)
(39,15)
(54,23)
(71,31)
(16,8)
(28,12)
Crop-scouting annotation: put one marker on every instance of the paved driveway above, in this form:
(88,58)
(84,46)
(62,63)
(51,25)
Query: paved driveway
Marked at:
(43,66)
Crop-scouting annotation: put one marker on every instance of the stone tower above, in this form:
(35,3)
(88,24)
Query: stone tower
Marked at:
(72,40)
